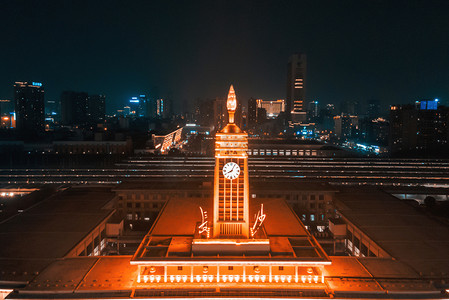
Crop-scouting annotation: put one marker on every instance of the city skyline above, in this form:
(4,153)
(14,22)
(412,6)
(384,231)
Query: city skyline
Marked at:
(394,52)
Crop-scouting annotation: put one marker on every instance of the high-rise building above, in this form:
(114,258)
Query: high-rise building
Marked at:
(205,112)
(52,108)
(296,88)
(350,107)
(144,102)
(139,106)
(376,131)
(162,108)
(96,108)
(345,126)
(126,110)
(313,109)
(74,108)
(30,107)
(373,109)
(252,112)
(273,108)
(261,115)
(419,128)
(135,105)
(6,106)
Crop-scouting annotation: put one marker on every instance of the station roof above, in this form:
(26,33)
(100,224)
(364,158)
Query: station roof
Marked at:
(172,233)
(49,230)
(404,232)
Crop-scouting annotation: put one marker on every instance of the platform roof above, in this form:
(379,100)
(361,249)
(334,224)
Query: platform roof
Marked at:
(112,277)
(256,185)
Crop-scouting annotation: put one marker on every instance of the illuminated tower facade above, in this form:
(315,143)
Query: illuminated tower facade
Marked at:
(231,205)
(296,88)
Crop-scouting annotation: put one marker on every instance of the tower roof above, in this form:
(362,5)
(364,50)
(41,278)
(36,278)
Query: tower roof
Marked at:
(231,104)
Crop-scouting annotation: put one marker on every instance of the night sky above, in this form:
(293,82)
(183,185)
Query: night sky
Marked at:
(394,51)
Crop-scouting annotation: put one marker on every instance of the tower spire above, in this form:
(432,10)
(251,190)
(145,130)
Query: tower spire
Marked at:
(231,104)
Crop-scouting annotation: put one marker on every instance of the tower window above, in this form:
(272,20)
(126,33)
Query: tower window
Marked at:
(281,268)
(179,268)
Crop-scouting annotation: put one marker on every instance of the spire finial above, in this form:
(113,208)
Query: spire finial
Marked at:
(231,104)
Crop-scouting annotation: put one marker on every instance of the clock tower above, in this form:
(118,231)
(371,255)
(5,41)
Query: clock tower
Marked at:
(231,185)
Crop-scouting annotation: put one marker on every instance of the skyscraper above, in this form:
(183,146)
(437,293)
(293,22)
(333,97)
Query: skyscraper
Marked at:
(139,106)
(252,112)
(30,107)
(313,109)
(373,109)
(205,112)
(96,108)
(74,108)
(350,107)
(160,108)
(419,129)
(296,88)
(6,106)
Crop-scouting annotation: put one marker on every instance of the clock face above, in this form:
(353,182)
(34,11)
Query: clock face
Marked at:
(231,170)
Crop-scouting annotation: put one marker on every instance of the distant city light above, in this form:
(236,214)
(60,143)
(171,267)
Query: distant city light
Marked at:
(429,105)
(37,83)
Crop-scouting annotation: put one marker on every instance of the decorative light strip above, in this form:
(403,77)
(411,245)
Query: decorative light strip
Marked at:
(231,278)
(231,242)
(228,263)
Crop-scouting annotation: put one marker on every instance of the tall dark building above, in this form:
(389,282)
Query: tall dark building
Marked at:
(296,88)
(419,129)
(313,110)
(74,108)
(139,106)
(205,112)
(30,107)
(163,108)
(151,108)
(96,108)
(350,107)
(326,117)
(6,106)
(261,115)
(252,112)
(373,109)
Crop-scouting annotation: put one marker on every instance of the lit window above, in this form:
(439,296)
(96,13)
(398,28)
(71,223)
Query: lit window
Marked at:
(312,217)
